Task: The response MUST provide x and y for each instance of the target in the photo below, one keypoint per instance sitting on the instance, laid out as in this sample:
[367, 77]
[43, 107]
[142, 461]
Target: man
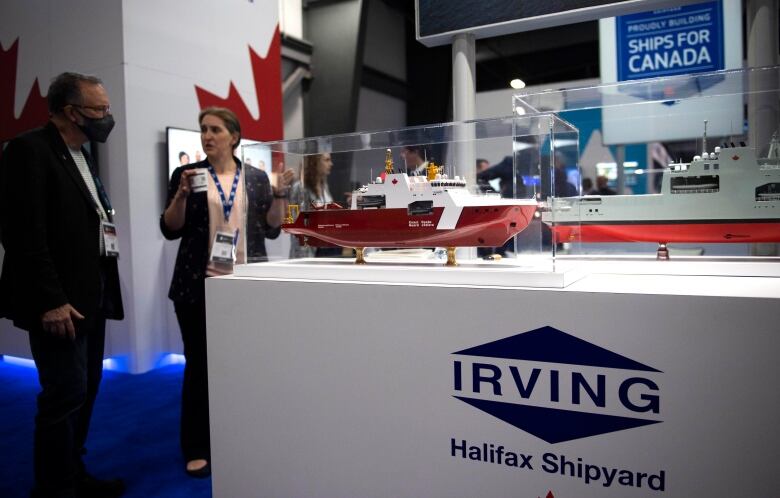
[484, 186]
[511, 183]
[602, 186]
[415, 160]
[59, 279]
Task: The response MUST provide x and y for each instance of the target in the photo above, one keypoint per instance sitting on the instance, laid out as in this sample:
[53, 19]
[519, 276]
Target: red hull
[767, 231]
[483, 226]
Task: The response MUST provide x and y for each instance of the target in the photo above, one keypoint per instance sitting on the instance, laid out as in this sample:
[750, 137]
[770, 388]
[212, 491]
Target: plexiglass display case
[674, 167]
[414, 198]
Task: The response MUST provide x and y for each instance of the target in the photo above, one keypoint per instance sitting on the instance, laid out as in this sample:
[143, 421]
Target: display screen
[438, 20]
[184, 147]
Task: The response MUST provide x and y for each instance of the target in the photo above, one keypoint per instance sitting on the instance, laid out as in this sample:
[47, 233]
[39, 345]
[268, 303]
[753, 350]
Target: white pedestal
[346, 389]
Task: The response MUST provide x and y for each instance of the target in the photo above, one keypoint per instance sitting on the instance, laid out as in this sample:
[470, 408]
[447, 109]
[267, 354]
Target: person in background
[484, 186]
[602, 186]
[414, 160]
[184, 158]
[562, 186]
[587, 186]
[60, 280]
[312, 191]
[212, 227]
[511, 183]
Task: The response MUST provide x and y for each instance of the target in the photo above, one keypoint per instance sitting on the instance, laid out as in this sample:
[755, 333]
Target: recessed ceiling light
[517, 83]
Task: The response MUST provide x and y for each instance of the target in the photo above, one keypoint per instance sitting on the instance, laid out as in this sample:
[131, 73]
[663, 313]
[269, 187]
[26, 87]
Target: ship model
[403, 211]
[727, 195]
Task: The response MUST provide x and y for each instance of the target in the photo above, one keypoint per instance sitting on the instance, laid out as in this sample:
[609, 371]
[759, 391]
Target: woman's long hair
[312, 179]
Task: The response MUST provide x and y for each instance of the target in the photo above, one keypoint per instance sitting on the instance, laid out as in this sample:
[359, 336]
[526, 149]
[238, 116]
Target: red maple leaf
[549, 495]
[35, 111]
[267, 74]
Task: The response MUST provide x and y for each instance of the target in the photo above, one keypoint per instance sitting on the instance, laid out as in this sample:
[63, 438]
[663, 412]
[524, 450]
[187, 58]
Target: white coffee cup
[199, 182]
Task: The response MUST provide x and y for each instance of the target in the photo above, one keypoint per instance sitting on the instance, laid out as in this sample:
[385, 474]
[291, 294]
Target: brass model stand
[451, 257]
[359, 260]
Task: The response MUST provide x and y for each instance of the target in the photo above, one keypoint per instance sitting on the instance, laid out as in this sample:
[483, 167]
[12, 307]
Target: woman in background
[313, 191]
[212, 225]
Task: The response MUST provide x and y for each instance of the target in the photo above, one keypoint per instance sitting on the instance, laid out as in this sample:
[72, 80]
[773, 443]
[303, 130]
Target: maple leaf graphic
[35, 111]
[267, 74]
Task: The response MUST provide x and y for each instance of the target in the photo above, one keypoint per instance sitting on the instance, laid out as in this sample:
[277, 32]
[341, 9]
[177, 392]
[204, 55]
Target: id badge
[223, 250]
[110, 241]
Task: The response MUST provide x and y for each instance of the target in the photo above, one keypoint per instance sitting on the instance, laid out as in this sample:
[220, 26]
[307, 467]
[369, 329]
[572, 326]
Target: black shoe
[200, 473]
[91, 487]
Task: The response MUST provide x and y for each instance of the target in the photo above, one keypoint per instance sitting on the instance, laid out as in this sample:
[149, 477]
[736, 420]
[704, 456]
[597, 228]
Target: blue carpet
[134, 433]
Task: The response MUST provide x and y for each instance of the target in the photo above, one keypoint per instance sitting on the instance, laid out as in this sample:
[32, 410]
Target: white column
[762, 43]
[763, 108]
[464, 96]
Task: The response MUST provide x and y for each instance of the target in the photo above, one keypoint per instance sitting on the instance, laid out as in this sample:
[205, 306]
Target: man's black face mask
[97, 129]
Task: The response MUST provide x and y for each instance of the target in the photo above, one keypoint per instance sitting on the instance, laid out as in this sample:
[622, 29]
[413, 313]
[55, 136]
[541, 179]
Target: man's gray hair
[66, 89]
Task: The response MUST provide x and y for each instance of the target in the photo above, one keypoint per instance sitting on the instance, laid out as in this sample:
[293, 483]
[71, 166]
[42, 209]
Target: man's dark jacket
[49, 228]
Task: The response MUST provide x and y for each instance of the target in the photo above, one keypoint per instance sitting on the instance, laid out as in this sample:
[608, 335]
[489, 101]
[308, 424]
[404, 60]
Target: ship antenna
[389, 162]
[704, 138]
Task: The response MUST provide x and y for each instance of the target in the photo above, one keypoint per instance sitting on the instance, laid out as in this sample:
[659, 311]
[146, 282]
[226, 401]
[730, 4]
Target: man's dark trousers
[69, 372]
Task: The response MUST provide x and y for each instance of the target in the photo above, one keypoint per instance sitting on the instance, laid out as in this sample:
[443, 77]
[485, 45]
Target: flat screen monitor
[184, 147]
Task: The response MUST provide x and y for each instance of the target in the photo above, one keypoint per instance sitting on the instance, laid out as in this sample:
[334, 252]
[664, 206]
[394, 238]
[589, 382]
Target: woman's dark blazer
[189, 273]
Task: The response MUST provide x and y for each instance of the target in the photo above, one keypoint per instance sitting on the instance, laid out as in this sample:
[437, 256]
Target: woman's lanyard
[227, 204]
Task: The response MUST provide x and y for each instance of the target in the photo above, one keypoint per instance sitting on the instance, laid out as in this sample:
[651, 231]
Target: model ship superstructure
[402, 211]
[727, 195]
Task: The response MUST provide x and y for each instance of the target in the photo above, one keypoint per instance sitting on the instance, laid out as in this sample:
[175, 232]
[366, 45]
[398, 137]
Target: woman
[313, 191]
[211, 225]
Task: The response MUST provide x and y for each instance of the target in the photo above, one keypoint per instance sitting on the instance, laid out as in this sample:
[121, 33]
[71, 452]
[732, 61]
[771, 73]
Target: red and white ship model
[402, 211]
[727, 195]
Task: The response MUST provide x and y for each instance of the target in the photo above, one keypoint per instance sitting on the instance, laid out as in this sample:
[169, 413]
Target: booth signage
[681, 40]
[558, 388]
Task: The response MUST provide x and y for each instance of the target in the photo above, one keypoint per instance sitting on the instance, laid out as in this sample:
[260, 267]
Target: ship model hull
[477, 226]
[678, 231]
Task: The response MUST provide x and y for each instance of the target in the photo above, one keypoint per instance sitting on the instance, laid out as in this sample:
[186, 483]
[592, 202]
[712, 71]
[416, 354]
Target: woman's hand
[184, 185]
[283, 182]
[174, 215]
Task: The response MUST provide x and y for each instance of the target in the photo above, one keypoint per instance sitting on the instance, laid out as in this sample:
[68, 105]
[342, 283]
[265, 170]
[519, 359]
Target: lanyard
[227, 204]
[102, 195]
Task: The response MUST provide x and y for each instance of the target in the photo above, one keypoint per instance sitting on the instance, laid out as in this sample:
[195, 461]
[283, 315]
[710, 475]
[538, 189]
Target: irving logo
[556, 386]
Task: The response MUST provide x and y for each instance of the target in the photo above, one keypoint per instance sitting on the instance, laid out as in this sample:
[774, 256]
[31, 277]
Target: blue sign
[667, 42]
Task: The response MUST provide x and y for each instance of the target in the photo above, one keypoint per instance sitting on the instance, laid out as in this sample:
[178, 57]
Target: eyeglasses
[102, 109]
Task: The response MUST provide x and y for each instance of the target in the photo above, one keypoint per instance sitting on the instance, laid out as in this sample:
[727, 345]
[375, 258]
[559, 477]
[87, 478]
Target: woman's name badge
[110, 241]
[223, 250]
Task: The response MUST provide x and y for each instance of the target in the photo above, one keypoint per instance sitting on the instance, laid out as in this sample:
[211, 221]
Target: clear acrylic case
[345, 199]
[701, 165]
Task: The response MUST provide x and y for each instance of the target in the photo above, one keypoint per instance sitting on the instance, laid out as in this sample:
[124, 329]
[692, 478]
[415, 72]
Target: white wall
[150, 55]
